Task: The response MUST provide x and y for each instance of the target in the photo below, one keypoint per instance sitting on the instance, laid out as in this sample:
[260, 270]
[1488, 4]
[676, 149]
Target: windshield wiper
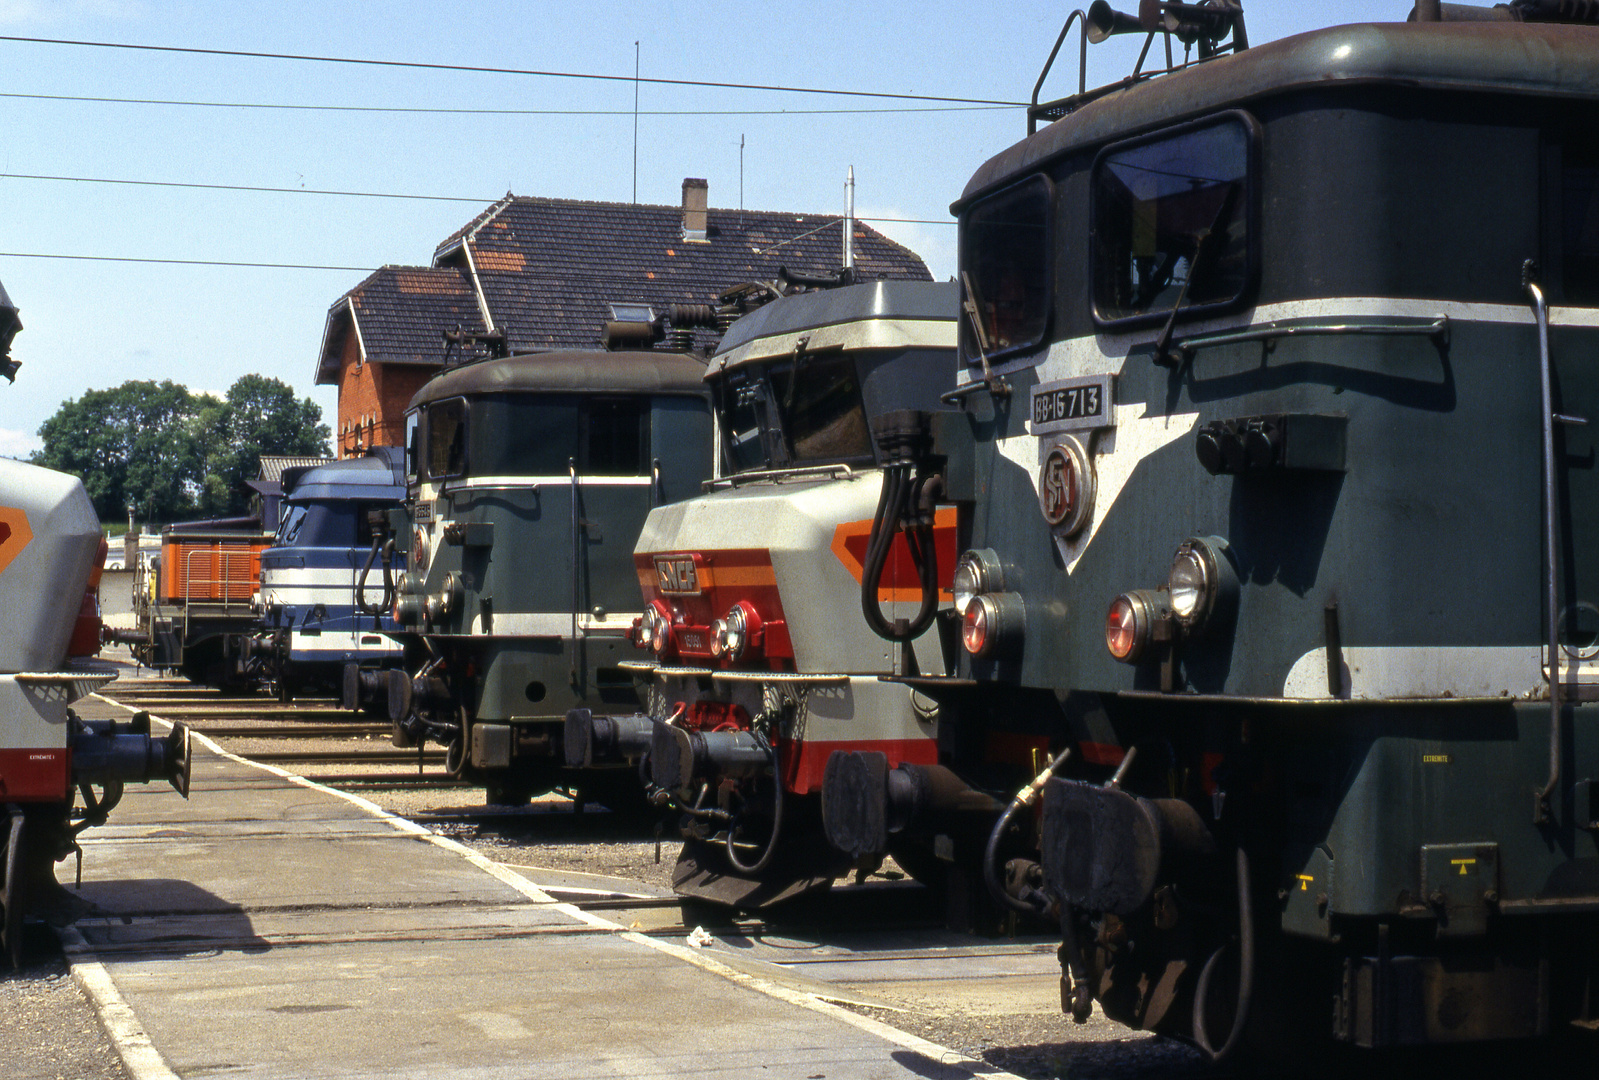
[1163, 351]
[970, 307]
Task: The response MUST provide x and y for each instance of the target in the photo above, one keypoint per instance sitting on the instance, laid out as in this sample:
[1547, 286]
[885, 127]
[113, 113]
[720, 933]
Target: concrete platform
[272, 929]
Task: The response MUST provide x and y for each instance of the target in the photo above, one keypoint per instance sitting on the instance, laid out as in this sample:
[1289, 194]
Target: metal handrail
[838, 470]
[224, 555]
[1543, 808]
[1437, 329]
[572, 675]
[1082, 65]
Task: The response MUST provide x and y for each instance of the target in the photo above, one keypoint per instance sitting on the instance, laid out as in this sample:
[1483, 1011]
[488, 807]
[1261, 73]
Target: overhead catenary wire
[179, 262]
[489, 70]
[292, 106]
[357, 194]
[945, 103]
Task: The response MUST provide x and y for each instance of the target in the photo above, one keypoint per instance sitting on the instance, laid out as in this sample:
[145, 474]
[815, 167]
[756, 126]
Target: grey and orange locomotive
[761, 668]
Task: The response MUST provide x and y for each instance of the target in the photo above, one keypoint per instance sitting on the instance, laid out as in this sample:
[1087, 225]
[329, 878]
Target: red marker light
[1123, 634]
[975, 627]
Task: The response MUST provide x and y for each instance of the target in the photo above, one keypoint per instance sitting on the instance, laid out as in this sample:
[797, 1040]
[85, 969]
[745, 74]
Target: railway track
[314, 738]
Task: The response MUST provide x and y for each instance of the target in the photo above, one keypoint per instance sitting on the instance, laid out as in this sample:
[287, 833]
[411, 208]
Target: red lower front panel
[35, 775]
[804, 763]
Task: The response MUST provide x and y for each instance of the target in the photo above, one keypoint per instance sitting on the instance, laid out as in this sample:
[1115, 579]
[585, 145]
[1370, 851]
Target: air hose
[1026, 797]
[906, 503]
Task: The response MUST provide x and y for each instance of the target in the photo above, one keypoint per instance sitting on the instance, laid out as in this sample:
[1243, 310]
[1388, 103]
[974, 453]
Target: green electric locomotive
[531, 476]
[1285, 535]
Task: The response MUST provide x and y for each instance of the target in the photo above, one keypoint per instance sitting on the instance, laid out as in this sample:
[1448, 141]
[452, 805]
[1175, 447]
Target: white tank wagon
[50, 543]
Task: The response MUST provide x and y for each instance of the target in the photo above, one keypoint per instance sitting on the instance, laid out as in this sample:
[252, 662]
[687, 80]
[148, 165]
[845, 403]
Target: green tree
[173, 454]
[130, 444]
[259, 417]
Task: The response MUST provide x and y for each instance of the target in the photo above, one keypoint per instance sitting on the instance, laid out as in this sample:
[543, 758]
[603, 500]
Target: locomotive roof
[875, 315]
[351, 478]
[1494, 57]
[589, 371]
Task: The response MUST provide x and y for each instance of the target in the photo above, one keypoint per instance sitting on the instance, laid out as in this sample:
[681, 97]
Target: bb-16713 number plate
[1080, 404]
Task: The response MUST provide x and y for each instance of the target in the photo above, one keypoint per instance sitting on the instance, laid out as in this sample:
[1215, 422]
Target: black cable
[885, 524]
[420, 65]
[899, 494]
[390, 591]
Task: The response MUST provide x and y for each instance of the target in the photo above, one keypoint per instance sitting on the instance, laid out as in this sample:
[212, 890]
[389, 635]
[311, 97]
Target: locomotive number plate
[1080, 404]
[677, 575]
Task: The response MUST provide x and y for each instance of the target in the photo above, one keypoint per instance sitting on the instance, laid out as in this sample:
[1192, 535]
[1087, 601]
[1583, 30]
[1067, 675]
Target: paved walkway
[271, 928]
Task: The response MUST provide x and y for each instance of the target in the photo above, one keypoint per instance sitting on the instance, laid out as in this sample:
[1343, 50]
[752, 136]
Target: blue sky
[92, 325]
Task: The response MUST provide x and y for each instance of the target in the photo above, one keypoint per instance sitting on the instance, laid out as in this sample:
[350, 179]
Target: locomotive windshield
[824, 418]
[1171, 227]
[1005, 268]
[538, 435]
[340, 524]
[771, 419]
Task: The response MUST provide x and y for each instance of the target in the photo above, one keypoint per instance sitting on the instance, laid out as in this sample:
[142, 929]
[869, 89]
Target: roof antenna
[635, 123]
[741, 181]
[849, 221]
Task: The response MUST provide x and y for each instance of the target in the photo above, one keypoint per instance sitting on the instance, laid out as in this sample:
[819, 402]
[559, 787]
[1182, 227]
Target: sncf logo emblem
[677, 575]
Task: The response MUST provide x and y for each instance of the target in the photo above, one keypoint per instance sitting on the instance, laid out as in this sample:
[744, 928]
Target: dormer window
[639, 313]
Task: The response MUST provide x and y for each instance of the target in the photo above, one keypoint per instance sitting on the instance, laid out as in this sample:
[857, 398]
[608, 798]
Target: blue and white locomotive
[328, 581]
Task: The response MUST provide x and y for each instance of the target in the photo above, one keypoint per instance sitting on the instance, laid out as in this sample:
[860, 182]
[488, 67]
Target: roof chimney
[695, 195]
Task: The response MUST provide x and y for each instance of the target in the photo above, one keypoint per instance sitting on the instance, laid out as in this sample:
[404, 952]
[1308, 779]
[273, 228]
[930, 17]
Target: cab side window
[446, 439]
[1004, 262]
[1579, 221]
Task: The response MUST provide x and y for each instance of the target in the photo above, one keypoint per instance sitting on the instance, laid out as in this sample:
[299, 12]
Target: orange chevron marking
[14, 534]
[849, 547]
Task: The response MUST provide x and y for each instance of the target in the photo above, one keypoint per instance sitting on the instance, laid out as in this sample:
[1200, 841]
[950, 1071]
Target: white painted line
[139, 1055]
[941, 1054]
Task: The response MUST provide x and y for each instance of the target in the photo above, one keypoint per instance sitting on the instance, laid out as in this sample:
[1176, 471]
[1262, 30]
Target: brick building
[548, 274]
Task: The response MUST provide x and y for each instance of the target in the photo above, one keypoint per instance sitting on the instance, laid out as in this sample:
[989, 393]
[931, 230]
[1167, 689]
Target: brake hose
[1246, 974]
[1025, 797]
[777, 822]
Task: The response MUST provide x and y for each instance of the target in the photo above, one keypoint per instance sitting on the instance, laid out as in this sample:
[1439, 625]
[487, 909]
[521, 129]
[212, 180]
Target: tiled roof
[550, 269]
[401, 312]
[272, 466]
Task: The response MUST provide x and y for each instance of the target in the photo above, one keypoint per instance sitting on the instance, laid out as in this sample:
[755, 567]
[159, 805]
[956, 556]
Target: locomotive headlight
[992, 624]
[1128, 624]
[1190, 585]
[737, 632]
[1201, 581]
[979, 571]
[655, 630]
[974, 626]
